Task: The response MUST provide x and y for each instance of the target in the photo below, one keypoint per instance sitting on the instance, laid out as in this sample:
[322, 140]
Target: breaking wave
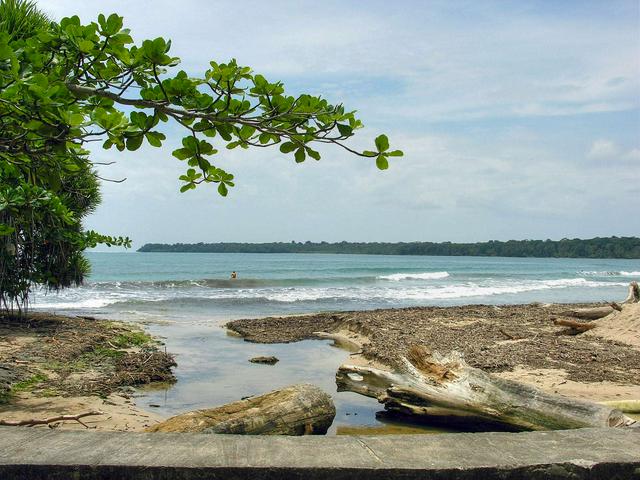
[414, 276]
[330, 296]
[610, 274]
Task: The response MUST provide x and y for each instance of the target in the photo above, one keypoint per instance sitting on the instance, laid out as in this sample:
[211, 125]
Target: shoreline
[517, 342]
[54, 365]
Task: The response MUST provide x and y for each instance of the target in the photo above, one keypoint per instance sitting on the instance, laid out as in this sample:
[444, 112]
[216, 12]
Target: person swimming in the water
[234, 275]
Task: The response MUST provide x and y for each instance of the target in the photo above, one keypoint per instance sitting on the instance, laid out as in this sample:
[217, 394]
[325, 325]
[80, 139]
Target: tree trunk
[295, 410]
[433, 386]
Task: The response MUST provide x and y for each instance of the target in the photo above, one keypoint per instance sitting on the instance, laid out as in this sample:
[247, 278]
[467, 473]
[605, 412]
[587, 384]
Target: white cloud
[603, 149]
[633, 155]
[493, 104]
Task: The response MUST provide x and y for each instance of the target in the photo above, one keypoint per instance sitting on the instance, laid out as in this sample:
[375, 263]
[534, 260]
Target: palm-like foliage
[22, 19]
[41, 208]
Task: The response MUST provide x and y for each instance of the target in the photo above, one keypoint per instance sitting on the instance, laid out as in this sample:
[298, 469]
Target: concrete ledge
[38, 453]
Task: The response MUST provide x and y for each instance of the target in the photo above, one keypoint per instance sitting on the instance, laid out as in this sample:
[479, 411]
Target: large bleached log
[432, 386]
[295, 410]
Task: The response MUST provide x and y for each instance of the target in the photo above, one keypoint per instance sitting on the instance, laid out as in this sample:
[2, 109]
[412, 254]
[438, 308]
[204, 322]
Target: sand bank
[54, 365]
[518, 342]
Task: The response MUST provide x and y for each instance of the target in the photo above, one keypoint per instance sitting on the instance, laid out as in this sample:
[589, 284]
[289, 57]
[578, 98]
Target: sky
[518, 120]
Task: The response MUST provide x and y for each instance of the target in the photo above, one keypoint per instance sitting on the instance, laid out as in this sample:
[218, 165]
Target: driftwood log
[48, 421]
[432, 386]
[295, 410]
[575, 325]
[596, 313]
[592, 313]
[634, 293]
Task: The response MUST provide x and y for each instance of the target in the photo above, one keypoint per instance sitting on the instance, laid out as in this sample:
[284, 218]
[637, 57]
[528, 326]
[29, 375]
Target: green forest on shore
[600, 247]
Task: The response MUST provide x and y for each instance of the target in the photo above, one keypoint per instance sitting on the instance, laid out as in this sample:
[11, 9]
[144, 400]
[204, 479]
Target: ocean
[186, 297]
[142, 284]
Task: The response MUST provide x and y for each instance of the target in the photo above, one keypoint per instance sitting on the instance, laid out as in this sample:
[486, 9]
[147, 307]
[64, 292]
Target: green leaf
[313, 154]
[134, 142]
[85, 46]
[182, 153]
[155, 138]
[382, 163]
[6, 229]
[114, 24]
[345, 130]
[300, 155]
[222, 189]
[288, 147]
[246, 131]
[76, 119]
[382, 143]
[264, 138]
[396, 153]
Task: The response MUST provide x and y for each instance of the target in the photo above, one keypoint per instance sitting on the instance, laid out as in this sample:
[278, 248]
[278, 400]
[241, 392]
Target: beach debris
[47, 421]
[634, 293]
[508, 335]
[301, 409]
[431, 386]
[598, 316]
[270, 360]
[592, 313]
[575, 326]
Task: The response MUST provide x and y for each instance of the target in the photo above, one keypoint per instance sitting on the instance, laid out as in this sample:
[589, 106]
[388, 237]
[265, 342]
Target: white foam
[610, 274]
[388, 292]
[80, 304]
[414, 276]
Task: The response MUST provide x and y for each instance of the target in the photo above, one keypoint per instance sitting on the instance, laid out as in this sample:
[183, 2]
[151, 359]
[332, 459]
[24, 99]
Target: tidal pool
[213, 369]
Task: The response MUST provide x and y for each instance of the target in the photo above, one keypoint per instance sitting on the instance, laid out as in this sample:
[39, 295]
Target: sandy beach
[57, 365]
[54, 365]
[519, 342]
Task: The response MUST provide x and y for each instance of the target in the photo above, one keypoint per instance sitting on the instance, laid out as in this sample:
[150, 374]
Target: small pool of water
[213, 369]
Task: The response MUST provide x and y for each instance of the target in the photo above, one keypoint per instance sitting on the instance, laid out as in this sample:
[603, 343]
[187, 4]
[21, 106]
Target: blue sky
[518, 120]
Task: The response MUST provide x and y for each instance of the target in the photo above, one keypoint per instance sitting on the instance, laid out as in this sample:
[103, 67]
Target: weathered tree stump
[634, 293]
[430, 385]
[295, 410]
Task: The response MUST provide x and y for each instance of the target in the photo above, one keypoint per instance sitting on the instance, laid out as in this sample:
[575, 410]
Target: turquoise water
[185, 298]
[154, 283]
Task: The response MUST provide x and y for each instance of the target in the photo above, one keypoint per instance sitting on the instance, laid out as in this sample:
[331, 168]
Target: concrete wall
[39, 453]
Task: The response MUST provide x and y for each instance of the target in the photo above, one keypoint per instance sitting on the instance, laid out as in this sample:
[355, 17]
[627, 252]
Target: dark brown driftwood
[295, 410]
[578, 326]
[430, 385]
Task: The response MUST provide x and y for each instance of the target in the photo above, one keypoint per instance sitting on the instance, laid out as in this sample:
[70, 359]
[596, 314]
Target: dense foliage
[64, 85]
[610, 247]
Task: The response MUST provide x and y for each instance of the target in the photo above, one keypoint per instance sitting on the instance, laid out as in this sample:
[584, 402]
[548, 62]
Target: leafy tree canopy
[65, 85]
[68, 82]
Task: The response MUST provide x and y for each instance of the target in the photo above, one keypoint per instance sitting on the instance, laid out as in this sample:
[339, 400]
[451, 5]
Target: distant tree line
[609, 247]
